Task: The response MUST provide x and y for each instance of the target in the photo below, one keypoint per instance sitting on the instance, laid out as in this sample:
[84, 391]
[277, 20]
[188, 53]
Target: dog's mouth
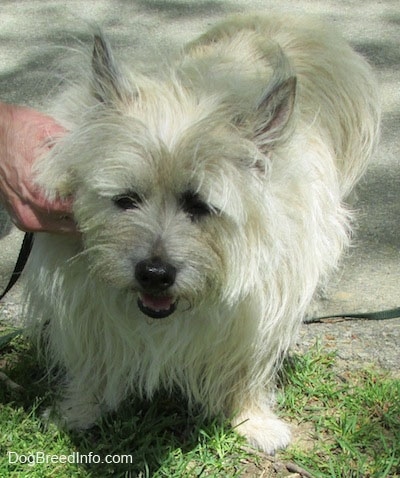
[156, 307]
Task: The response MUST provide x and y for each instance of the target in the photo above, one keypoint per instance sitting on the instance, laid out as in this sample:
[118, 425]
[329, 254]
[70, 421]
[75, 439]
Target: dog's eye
[129, 200]
[194, 207]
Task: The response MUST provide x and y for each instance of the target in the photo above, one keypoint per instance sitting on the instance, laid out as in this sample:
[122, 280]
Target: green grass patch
[353, 421]
[355, 418]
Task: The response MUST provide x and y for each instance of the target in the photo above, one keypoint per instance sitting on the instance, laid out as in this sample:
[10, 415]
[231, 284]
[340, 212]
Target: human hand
[25, 135]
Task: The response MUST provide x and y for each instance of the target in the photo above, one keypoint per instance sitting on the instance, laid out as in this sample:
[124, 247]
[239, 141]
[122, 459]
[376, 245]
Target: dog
[210, 200]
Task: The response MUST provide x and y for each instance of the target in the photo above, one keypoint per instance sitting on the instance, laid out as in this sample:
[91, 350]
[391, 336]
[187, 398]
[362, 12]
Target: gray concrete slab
[31, 32]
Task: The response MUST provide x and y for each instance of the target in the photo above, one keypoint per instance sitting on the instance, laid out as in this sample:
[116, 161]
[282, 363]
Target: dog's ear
[109, 84]
[274, 114]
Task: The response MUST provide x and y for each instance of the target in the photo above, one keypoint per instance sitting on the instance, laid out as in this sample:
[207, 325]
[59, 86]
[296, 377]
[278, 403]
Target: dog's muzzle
[155, 277]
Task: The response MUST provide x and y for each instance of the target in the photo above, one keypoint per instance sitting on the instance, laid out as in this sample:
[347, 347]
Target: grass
[355, 418]
[354, 422]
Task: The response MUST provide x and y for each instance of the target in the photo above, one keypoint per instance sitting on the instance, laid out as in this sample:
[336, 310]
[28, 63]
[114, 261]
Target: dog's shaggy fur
[210, 201]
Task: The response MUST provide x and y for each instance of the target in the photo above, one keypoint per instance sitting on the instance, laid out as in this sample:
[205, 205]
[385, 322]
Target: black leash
[21, 261]
[378, 315]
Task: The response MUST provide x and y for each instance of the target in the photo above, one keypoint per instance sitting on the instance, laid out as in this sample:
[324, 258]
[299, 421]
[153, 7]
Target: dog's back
[336, 90]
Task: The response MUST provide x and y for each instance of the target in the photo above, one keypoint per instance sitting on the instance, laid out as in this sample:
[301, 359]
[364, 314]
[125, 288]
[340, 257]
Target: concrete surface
[31, 32]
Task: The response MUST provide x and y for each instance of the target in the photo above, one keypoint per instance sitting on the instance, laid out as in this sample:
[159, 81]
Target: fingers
[30, 220]
[49, 134]
[56, 207]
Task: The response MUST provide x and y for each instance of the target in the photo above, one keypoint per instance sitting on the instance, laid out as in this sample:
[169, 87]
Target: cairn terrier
[209, 197]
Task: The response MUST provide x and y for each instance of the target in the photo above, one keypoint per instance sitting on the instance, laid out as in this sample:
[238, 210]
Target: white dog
[209, 198]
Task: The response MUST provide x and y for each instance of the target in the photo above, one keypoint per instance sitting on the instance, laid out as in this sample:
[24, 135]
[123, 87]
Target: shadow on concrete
[173, 9]
[382, 55]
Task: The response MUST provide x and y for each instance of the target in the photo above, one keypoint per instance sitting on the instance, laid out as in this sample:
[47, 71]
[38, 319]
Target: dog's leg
[78, 410]
[262, 428]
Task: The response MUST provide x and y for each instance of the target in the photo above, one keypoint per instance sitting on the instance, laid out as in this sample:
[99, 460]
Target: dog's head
[169, 184]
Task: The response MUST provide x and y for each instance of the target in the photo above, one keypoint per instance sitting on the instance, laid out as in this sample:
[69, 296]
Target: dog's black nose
[155, 275]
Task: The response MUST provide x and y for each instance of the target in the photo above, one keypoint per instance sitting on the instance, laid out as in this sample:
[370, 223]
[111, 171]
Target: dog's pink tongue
[156, 303]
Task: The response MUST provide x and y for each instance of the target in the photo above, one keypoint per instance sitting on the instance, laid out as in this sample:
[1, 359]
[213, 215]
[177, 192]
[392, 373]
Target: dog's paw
[263, 429]
[71, 415]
